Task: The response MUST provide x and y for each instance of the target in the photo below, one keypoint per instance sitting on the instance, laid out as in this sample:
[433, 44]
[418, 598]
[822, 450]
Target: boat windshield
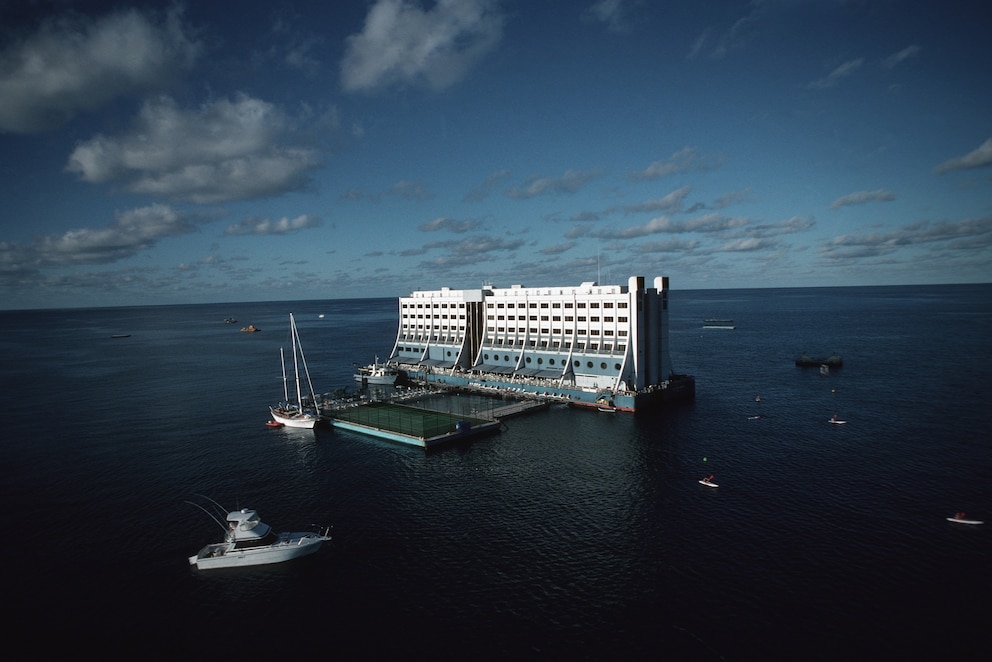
[244, 520]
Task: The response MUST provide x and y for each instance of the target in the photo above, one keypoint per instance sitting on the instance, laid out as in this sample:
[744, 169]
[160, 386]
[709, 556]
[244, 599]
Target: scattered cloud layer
[131, 232]
[389, 119]
[969, 234]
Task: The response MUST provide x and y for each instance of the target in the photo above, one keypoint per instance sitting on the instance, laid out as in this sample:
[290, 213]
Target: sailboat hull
[294, 419]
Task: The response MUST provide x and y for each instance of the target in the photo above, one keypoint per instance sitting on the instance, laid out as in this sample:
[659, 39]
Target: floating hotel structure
[601, 346]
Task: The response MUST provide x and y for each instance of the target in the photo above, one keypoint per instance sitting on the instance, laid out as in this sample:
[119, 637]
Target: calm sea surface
[572, 534]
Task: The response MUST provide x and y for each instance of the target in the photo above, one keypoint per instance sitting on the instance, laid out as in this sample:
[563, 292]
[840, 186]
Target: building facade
[588, 337]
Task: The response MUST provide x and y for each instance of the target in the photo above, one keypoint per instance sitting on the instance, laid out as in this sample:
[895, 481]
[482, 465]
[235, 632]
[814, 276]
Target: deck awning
[436, 363]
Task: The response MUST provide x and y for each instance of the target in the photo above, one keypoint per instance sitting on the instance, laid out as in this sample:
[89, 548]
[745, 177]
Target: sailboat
[293, 413]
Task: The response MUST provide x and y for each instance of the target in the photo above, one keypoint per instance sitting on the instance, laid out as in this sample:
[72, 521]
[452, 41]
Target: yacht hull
[290, 546]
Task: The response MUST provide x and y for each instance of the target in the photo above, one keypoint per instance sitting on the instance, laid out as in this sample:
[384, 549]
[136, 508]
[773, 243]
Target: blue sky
[170, 152]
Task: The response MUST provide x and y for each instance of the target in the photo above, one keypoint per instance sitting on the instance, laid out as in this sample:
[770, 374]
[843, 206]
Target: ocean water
[570, 535]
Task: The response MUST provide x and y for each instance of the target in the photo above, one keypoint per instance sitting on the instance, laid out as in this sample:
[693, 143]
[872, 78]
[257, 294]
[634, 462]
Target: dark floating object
[832, 361]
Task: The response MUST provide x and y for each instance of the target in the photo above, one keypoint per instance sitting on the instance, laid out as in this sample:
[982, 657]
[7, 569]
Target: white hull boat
[376, 374]
[249, 541]
[296, 414]
[958, 520]
[293, 418]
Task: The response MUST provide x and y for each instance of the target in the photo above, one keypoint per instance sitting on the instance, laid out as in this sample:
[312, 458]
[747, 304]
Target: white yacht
[250, 541]
[377, 373]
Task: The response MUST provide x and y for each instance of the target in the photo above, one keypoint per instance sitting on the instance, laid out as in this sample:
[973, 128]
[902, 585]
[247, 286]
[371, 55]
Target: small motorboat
[273, 424]
[960, 518]
[836, 421]
[708, 482]
[250, 541]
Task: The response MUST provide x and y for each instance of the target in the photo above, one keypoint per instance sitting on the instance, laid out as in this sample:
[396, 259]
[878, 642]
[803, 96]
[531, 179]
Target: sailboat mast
[296, 367]
[306, 370]
[285, 387]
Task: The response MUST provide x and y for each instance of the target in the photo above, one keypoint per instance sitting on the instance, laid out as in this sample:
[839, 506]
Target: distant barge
[832, 361]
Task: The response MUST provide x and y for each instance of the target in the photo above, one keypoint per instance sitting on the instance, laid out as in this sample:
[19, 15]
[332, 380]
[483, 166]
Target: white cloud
[716, 43]
[670, 203]
[685, 160]
[284, 225]
[612, 13]
[838, 74]
[663, 224]
[450, 224]
[226, 150]
[403, 44]
[746, 245]
[482, 191]
[978, 158]
[78, 64]
[861, 197]
[901, 56]
[570, 182]
[666, 246]
[557, 249]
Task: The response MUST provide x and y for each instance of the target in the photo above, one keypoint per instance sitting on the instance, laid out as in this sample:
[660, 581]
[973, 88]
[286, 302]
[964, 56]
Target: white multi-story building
[586, 337]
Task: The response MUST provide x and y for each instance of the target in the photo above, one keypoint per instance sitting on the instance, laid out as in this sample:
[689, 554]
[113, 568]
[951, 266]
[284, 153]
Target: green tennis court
[423, 423]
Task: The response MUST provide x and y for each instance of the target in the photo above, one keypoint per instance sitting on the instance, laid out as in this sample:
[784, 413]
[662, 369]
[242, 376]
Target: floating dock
[422, 426]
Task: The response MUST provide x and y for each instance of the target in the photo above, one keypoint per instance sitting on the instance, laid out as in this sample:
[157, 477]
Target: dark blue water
[572, 534]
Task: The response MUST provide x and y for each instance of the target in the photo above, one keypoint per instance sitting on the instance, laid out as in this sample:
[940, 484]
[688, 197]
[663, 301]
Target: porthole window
[528, 359]
[588, 364]
[506, 358]
[540, 361]
[576, 364]
[616, 366]
[485, 356]
[551, 361]
[602, 365]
